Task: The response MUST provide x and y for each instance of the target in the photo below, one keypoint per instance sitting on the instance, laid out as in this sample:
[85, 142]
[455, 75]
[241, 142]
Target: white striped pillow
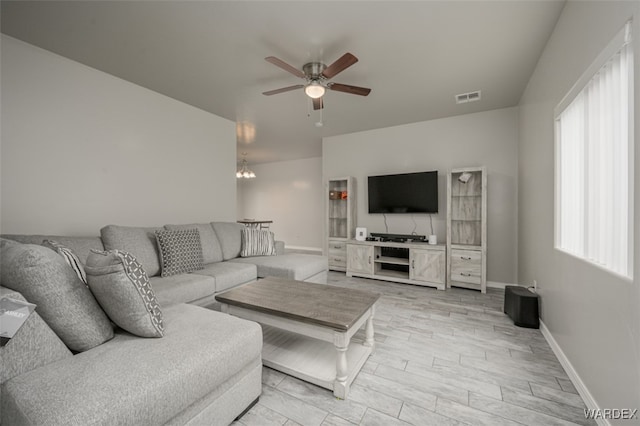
[69, 256]
[257, 242]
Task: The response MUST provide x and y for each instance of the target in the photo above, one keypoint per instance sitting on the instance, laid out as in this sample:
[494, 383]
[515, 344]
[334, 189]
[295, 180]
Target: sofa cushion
[211, 250]
[122, 288]
[293, 266]
[69, 256]
[228, 274]
[62, 300]
[81, 246]
[33, 346]
[180, 251]
[140, 242]
[230, 237]
[129, 380]
[257, 242]
[183, 288]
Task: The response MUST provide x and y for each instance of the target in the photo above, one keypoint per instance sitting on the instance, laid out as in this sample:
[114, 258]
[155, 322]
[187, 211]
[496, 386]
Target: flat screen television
[404, 193]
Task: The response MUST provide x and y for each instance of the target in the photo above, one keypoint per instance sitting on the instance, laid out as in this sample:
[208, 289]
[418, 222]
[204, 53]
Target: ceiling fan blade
[318, 103]
[354, 90]
[282, 90]
[285, 66]
[344, 62]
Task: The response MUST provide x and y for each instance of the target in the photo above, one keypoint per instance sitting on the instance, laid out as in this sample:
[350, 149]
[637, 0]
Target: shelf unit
[467, 228]
[340, 198]
[409, 263]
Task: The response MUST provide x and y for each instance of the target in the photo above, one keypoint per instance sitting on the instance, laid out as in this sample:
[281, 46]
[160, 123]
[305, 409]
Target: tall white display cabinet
[467, 228]
[340, 196]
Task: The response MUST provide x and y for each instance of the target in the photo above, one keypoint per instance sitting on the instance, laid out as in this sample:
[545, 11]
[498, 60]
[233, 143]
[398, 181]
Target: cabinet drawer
[337, 249]
[466, 266]
[466, 257]
[465, 277]
[338, 261]
[337, 245]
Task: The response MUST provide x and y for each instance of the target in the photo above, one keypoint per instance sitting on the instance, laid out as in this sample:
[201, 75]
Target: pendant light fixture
[244, 172]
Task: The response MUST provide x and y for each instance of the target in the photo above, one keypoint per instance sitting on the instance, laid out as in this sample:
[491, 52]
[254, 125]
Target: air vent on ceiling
[468, 97]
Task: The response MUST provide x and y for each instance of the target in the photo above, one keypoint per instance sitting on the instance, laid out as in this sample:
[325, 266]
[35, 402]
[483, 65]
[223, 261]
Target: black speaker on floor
[522, 306]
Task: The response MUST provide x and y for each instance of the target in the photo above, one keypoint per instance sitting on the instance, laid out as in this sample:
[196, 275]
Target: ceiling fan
[317, 76]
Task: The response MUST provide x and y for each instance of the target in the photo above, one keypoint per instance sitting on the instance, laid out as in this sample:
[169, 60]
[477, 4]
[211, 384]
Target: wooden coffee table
[307, 328]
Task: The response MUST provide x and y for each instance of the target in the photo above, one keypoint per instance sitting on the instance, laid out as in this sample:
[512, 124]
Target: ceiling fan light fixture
[314, 90]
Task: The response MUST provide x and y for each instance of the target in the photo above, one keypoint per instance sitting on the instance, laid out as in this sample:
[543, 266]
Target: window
[594, 161]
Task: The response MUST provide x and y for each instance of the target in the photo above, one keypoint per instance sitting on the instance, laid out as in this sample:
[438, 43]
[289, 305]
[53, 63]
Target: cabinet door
[338, 208]
[359, 259]
[428, 265]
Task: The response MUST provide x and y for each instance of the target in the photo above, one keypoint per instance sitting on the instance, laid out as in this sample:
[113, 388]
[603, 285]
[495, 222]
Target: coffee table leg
[340, 386]
[369, 339]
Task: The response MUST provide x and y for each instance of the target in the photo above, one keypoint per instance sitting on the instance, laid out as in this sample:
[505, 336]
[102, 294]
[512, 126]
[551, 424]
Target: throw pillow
[63, 301]
[69, 256]
[122, 288]
[6, 243]
[180, 251]
[257, 242]
[211, 250]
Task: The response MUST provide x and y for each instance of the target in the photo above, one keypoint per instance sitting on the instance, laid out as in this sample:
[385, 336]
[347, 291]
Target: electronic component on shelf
[398, 238]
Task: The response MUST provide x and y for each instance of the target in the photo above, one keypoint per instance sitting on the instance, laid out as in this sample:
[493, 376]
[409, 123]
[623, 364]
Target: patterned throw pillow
[257, 242]
[122, 288]
[180, 251]
[69, 256]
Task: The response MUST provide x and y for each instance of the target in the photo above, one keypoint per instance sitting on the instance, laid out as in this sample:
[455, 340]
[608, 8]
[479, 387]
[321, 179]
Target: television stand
[408, 263]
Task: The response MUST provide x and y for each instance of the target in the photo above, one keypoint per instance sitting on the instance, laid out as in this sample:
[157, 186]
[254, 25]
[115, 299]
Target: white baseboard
[496, 284]
[304, 248]
[589, 400]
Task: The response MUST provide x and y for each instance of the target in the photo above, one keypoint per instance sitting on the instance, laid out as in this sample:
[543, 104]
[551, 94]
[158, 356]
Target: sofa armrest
[279, 247]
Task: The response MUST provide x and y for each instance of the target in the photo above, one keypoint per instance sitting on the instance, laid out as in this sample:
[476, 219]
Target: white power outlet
[535, 286]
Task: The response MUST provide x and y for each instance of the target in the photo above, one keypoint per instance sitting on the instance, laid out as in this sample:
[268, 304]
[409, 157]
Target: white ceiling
[416, 56]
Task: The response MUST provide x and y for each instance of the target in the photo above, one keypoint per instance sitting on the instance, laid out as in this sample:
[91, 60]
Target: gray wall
[591, 314]
[290, 194]
[82, 149]
[483, 139]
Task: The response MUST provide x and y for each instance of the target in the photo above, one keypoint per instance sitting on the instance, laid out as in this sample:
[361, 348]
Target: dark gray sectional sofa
[206, 369]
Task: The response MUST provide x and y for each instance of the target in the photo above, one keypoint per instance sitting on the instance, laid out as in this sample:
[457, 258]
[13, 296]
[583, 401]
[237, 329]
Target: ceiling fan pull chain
[321, 122]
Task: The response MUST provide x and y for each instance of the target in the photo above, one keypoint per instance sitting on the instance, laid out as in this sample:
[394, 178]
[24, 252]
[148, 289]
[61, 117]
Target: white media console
[410, 263]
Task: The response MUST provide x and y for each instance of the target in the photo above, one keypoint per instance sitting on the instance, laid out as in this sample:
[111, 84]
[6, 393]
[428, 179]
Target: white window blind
[594, 168]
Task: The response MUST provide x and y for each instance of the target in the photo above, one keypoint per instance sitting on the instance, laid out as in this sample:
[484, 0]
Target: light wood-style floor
[442, 358]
